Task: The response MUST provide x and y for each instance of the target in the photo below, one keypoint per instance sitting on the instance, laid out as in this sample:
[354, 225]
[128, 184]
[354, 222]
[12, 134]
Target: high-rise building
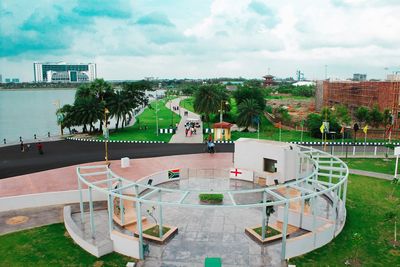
[12, 80]
[358, 77]
[64, 72]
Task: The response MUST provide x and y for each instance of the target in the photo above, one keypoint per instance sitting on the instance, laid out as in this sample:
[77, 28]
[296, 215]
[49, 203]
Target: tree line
[211, 98]
[339, 116]
[93, 99]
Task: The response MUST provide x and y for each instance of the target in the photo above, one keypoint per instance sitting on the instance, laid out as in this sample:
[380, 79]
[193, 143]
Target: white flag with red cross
[235, 173]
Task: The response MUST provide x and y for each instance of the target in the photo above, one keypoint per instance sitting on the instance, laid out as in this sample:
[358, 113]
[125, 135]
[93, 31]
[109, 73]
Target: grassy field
[368, 202]
[50, 246]
[148, 119]
[187, 104]
[373, 165]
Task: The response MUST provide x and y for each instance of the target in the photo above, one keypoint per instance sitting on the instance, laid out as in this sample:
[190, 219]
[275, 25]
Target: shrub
[211, 198]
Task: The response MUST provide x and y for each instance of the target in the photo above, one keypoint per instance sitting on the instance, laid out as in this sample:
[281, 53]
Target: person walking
[22, 146]
[40, 148]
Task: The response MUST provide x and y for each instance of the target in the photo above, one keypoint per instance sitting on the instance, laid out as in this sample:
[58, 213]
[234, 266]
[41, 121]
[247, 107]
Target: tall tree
[387, 117]
[341, 112]
[90, 111]
[244, 92]
[208, 98]
[69, 116]
[362, 114]
[248, 111]
[119, 106]
[375, 117]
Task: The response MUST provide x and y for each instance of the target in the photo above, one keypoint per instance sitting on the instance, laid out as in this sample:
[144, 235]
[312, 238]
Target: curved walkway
[180, 136]
[65, 153]
[372, 174]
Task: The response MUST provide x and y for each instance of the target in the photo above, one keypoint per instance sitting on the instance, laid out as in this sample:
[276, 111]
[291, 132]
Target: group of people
[175, 108]
[190, 128]
[26, 148]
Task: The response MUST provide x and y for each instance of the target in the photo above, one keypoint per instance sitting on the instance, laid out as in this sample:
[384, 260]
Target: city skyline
[203, 39]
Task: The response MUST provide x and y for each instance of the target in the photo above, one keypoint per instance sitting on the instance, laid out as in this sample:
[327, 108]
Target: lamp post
[60, 117]
[156, 113]
[220, 115]
[106, 134]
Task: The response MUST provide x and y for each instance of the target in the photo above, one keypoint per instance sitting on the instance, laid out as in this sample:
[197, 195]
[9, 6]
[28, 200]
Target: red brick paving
[63, 179]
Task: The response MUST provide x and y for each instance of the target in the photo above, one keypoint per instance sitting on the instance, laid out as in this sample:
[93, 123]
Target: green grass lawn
[154, 231]
[270, 231]
[148, 118]
[368, 202]
[50, 246]
[373, 165]
[187, 104]
[270, 132]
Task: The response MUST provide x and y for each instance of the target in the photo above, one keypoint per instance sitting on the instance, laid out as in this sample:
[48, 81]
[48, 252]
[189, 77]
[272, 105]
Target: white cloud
[224, 38]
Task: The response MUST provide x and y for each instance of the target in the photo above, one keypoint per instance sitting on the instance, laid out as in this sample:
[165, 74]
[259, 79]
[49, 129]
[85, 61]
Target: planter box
[165, 238]
[256, 237]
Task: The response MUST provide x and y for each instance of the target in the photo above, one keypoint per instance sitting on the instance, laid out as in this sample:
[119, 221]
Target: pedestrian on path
[40, 148]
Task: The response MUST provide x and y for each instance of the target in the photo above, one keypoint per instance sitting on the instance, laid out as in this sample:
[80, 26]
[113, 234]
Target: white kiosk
[270, 160]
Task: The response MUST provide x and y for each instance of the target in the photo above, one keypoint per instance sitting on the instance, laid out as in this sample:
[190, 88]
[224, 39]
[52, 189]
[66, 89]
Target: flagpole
[343, 141]
[301, 136]
[365, 142]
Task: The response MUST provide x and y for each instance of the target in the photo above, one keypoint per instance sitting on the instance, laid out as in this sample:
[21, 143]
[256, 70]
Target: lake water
[27, 112]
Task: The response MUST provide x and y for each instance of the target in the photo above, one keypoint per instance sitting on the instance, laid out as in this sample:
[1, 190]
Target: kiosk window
[269, 165]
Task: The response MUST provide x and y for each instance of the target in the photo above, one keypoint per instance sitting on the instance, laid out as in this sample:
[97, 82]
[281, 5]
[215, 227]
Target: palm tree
[248, 110]
[207, 99]
[69, 116]
[90, 111]
[135, 93]
[119, 107]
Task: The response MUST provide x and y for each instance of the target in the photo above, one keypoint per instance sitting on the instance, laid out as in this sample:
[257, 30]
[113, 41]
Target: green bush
[211, 198]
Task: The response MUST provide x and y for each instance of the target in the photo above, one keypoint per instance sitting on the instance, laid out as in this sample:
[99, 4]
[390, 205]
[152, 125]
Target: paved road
[180, 136]
[65, 153]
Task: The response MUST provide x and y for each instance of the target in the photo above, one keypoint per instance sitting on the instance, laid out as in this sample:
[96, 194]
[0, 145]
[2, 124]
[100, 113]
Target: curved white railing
[326, 177]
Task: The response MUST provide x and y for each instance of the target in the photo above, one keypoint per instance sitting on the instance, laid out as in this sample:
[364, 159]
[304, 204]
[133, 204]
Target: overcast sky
[203, 38]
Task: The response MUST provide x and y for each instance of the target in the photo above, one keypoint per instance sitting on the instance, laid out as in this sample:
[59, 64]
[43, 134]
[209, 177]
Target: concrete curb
[115, 141]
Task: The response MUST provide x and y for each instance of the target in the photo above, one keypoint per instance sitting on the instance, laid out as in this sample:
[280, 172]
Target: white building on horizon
[64, 72]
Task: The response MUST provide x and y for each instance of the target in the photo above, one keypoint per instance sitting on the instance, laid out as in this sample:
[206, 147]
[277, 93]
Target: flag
[342, 130]
[172, 174]
[365, 129]
[278, 125]
[322, 128]
[388, 130]
[235, 173]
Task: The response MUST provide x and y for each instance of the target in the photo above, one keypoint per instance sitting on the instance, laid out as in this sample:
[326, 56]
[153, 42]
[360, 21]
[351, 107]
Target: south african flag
[172, 174]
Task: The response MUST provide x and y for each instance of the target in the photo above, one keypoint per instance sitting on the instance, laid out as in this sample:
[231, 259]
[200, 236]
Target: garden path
[180, 136]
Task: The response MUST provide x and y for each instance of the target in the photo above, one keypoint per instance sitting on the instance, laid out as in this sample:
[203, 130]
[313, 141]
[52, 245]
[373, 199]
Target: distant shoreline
[36, 89]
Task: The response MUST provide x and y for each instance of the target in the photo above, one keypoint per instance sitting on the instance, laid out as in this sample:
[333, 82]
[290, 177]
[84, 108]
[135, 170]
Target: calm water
[28, 112]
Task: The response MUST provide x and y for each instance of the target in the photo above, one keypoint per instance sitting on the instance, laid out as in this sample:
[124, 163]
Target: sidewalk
[372, 174]
[179, 136]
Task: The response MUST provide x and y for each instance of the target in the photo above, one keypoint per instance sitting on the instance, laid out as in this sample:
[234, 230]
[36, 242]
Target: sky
[203, 38]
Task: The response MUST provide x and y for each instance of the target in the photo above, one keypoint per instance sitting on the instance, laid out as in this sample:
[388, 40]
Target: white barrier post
[354, 150]
[375, 149]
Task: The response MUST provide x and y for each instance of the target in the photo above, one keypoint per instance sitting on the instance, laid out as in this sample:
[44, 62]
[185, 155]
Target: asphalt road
[66, 153]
